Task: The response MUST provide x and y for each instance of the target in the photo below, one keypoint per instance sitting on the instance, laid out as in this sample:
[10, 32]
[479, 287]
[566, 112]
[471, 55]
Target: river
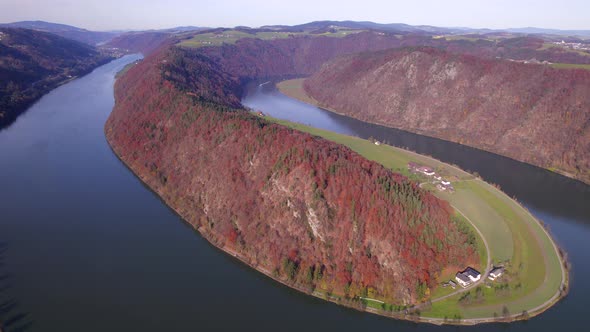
[84, 246]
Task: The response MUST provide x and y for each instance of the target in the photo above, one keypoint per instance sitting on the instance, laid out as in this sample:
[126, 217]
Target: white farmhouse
[468, 276]
[462, 279]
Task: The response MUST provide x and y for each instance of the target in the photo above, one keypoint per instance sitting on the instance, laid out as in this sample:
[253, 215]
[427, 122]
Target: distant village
[573, 46]
[441, 183]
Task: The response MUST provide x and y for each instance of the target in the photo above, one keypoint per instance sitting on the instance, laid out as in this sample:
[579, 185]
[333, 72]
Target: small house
[426, 170]
[472, 273]
[496, 273]
[462, 279]
[445, 182]
[468, 276]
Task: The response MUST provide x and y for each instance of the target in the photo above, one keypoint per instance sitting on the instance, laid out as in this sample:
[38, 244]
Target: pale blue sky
[155, 14]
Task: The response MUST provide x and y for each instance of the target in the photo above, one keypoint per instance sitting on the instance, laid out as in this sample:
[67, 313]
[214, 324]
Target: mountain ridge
[64, 30]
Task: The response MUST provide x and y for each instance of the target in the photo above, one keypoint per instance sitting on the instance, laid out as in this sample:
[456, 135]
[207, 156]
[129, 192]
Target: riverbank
[294, 89]
[518, 240]
[38, 89]
[337, 299]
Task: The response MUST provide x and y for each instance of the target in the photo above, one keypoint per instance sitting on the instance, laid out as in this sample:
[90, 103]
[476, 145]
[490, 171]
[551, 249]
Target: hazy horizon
[149, 14]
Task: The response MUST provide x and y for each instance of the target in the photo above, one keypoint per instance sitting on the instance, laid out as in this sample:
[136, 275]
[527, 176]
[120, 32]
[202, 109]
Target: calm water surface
[84, 246]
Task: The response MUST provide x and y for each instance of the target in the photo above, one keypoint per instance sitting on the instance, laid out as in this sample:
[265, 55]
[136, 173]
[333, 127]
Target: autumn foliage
[307, 211]
[529, 112]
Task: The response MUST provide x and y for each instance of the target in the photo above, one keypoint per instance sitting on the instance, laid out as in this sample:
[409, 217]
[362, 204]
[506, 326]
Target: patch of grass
[570, 66]
[294, 89]
[126, 68]
[485, 217]
[215, 38]
[372, 303]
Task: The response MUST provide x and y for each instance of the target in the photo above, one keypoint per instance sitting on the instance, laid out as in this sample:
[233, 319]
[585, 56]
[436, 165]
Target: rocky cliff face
[531, 113]
[301, 209]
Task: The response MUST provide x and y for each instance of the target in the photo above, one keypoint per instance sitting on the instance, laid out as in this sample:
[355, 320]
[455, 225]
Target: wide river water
[84, 246]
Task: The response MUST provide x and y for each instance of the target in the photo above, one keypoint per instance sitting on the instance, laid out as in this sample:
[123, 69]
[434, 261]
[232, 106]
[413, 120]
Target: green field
[534, 270]
[570, 66]
[231, 36]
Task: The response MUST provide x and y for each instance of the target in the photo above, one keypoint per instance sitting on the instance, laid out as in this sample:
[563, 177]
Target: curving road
[488, 263]
[484, 275]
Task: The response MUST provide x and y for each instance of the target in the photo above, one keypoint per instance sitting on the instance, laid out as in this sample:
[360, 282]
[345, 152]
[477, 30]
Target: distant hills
[100, 37]
[584, 33]
[66, 31]
[406, 28]
[390, 27]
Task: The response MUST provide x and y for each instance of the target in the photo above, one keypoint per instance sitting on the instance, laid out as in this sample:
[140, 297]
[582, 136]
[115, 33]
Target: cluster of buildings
[471, 275]
[441, 183]
[573, 46]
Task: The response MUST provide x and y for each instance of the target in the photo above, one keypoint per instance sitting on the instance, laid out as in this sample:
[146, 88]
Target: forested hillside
[305, 211]
[531, 113]
[139, 42]
[301, 209]
[33, 62]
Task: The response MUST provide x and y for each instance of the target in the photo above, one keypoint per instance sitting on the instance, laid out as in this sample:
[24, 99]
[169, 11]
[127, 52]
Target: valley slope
[531, 113]
[33, 62]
